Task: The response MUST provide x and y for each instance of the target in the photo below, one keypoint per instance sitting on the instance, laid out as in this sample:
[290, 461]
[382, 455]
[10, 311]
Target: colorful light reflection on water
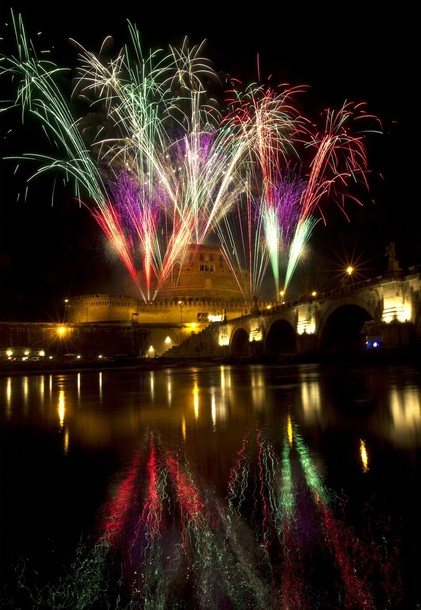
[279, 538]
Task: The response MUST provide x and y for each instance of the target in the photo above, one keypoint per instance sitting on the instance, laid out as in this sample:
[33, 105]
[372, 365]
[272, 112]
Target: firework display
[165, 154]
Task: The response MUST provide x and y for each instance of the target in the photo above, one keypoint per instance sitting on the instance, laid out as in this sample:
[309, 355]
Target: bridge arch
[239, 343]
[341, 328]
[281, 338]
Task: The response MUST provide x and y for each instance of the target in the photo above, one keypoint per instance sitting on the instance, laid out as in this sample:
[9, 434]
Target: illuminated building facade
[202, 289]
[204, 273]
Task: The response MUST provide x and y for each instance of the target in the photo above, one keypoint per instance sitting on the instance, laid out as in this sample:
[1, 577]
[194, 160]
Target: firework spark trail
[110, 222]
[134, 99]
[192, 160]
[135, 220]
[340, 158]
[269, 123]
[242, 239]
[303, 232]
[173, 147]
[281, 221]
[153, 119]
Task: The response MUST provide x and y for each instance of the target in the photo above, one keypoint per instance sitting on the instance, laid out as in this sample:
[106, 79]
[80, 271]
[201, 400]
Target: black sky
[345, 53]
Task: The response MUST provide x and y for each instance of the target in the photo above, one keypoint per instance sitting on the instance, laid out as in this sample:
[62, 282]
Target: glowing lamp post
[181, 304]
[347, 274]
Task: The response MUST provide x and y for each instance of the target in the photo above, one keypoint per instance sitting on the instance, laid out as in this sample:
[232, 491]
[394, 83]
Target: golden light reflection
[152, 383]
[405, 411]
[25, 392]
[364, 456]
[42, 390]
[66, 441]
[196, 400]
[289, 430]
[183, 428]
[169, 390]
[79, 386]
[100, 385]
[213, 409]
[219, 409]
[225, 379]
[310, 400]
[61, 407]
[9, 397]
[258, 389]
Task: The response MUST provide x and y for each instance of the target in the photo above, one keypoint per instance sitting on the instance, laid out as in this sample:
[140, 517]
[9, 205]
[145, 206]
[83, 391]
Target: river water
[212, 487]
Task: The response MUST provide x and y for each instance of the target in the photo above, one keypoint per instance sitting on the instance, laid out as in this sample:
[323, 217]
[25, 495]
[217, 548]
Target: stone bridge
[380, 313]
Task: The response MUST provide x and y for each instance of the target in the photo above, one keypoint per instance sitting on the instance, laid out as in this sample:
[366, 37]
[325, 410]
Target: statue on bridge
[393, 263]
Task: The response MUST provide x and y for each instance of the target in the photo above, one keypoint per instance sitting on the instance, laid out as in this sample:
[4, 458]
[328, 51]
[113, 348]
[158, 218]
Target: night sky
[52, 248]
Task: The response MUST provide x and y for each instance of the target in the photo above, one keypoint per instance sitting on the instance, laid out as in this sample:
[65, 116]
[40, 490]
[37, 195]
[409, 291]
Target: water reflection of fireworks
[279, 539]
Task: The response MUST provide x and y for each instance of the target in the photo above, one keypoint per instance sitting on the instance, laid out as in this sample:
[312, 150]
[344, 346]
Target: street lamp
[181, 304]
[346, 280]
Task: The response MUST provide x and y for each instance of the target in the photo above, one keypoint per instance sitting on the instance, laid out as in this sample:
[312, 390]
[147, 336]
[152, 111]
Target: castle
[202, 289]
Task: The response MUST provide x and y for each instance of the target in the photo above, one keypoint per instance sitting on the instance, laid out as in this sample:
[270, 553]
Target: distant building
[101, 308]
[204, 273]
[201, 289]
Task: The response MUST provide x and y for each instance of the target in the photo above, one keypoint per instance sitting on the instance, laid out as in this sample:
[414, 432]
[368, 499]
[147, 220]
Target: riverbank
[378, 357]
[144, 364]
